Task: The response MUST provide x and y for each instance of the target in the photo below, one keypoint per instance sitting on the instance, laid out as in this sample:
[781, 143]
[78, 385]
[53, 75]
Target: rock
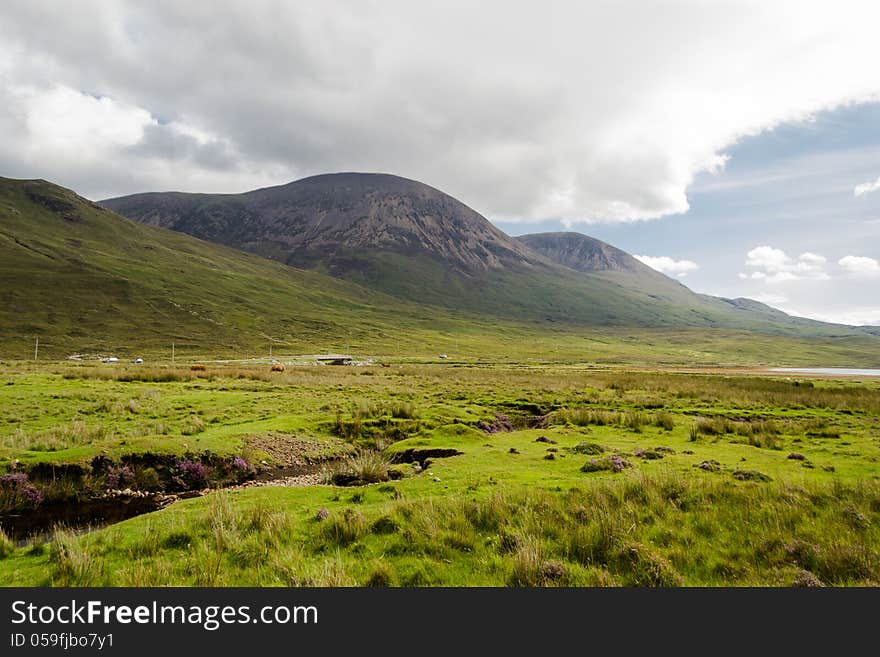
[545, 439]
[750, 475]
[513, 450]
[807, 579]
[797, 456]
[553, 570]
[322, 514]
[550, 457]
[437, 479]
[828, 468]
[710, 466]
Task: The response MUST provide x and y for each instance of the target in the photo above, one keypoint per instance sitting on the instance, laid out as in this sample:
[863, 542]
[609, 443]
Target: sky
[731, 144]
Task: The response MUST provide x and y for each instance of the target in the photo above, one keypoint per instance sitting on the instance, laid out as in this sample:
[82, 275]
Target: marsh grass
[7, 545]
[72, 562]
[365, 467]
[640, 530]
[62, 436]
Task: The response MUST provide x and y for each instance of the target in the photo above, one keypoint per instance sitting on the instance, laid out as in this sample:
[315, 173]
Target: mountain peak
[584, 253]
[334, 218]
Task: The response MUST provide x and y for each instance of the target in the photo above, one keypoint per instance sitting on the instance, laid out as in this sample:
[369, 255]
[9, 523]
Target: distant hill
[418, 244]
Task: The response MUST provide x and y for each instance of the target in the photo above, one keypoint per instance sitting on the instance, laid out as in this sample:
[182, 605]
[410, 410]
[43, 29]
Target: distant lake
[826, 370]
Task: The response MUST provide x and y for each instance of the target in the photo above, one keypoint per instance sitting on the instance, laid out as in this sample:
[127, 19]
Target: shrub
[119, 477]
[18, 493]
[588, 448]
[190, 474]
[613, 463]
[147, 479]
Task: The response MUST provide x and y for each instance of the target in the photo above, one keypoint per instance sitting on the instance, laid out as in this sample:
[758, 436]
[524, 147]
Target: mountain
[418, 244]
[586, 254]
[83, 278]
[332, 218]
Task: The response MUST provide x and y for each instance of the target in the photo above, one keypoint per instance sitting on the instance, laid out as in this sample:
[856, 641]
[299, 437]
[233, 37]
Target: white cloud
[567, 110]
[860, 266]
[769, 298]
[776, 266]
[667, 265]
[866, 188]
[852, 316]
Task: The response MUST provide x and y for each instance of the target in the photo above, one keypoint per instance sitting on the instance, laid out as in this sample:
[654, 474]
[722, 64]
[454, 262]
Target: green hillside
[414, 242]
[85, 280]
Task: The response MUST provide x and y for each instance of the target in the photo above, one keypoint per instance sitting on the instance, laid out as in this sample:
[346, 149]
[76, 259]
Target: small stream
[831, 371]
[83, 516]
[79, 516]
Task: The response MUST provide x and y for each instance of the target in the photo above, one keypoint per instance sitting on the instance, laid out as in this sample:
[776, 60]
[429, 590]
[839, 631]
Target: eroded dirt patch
[288, 450]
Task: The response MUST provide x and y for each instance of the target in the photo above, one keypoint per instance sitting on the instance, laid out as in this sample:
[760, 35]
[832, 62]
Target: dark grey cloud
[578, 111]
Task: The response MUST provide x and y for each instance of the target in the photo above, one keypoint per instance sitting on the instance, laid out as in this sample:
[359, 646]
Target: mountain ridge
[417, 243]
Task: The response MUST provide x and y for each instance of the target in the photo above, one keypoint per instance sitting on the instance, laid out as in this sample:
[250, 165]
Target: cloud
[776, 266]
[769, 298]
[572, 111]
[866, 188]
[852, 316]
[667, 265]
[860, 266]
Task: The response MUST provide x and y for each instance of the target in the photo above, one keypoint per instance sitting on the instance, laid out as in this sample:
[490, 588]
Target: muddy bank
[42, 520]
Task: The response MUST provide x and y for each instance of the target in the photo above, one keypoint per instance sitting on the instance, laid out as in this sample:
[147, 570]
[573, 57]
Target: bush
[190, 474]
[613, 463]
[119, 477]
[18, 493]
[588, 448]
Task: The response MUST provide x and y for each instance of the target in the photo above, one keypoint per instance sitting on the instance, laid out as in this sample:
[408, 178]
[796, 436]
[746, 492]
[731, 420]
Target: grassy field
[457, 475]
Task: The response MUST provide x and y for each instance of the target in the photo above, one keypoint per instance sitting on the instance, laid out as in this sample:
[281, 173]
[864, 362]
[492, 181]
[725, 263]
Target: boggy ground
[563, 476]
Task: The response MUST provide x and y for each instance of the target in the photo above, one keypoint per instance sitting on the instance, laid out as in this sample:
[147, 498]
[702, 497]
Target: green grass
[500, 512]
